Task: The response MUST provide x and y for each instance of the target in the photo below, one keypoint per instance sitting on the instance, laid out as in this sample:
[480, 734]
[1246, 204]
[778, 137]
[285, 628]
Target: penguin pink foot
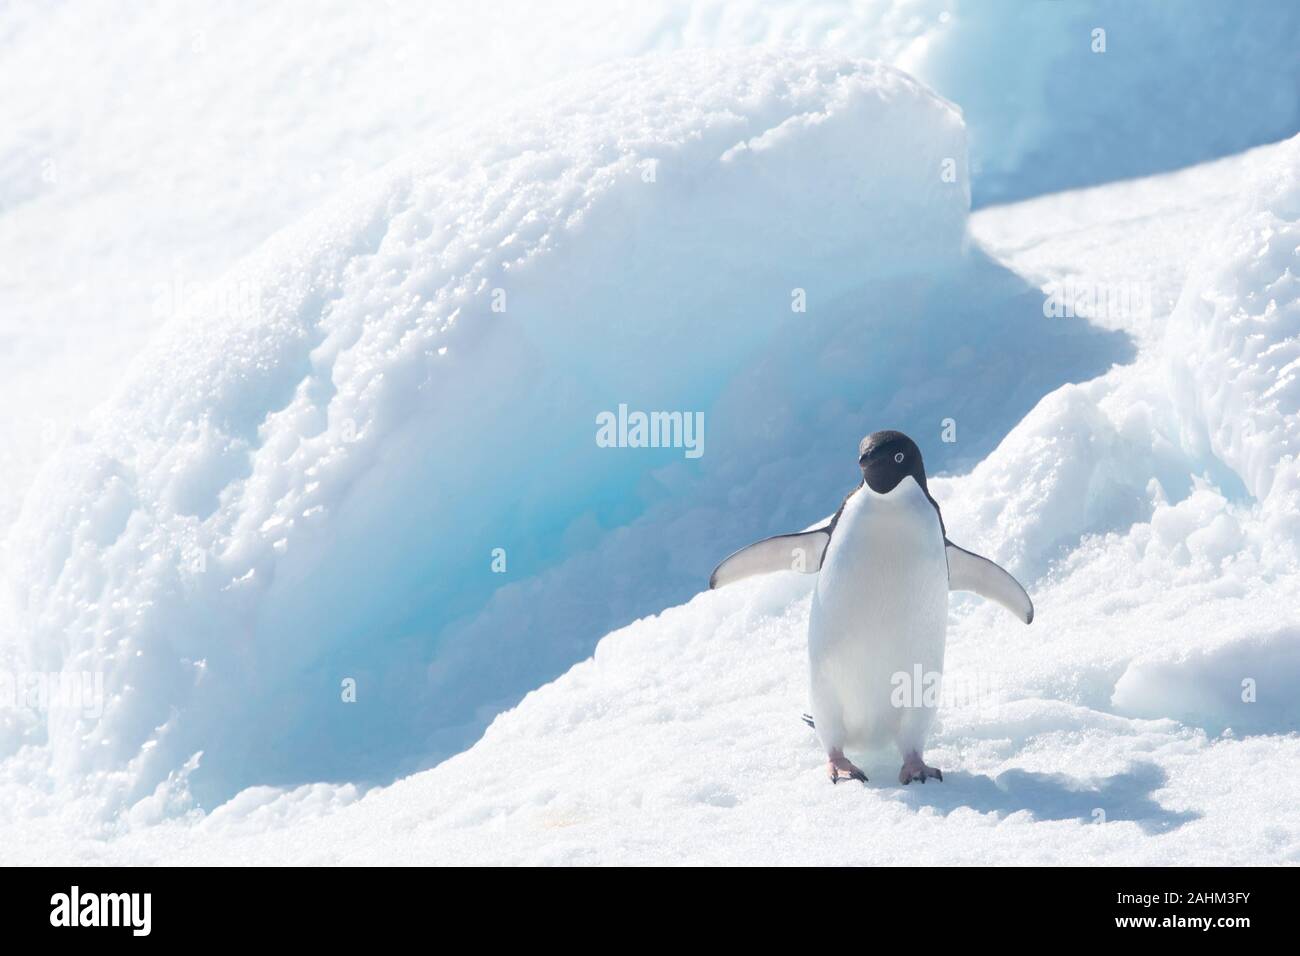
[841, 769]
[915, 769]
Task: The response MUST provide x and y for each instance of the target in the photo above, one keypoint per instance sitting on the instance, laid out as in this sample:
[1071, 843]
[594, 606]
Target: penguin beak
[881, 478]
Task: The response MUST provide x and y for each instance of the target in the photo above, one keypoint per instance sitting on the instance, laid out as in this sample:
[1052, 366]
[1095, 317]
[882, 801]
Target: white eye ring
[899, 458]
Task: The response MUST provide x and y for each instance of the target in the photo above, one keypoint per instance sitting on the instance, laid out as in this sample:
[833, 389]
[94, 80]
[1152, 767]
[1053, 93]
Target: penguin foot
[841, 769]
[915, 769]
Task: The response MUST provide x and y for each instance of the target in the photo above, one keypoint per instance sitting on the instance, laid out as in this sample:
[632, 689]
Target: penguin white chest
[879, 616]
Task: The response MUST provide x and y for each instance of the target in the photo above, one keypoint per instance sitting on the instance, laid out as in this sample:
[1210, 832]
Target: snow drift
[1234, 341]
[307, 478]
[252, 118]
[1049, 88]
[287, 496]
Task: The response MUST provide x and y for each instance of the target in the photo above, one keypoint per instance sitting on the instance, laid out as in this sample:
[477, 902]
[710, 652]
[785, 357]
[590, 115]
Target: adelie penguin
[880, 608]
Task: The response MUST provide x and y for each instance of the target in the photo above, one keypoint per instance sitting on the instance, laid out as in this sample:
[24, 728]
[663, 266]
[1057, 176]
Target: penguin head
[886, 458]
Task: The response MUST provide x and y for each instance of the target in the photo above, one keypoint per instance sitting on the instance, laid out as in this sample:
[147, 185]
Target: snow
[1052, 103]
[285, 468]
[135, 173]
[1234, 339]
[303, 477]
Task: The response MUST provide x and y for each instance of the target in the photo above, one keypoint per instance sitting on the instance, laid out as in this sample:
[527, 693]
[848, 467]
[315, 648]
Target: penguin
[879, 615]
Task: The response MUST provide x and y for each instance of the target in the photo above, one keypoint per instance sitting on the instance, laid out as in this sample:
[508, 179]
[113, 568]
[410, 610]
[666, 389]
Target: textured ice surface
[1234, 340]
[144, 151]
[1113, 730]
[286, 496]
[175, 542]
[1061, 95]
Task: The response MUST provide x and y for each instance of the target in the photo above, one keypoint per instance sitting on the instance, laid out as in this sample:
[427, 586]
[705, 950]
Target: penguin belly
[880, 610]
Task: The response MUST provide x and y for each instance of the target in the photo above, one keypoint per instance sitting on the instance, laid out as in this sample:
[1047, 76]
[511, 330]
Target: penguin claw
[841, 769]
[858, 775]
[918, 771]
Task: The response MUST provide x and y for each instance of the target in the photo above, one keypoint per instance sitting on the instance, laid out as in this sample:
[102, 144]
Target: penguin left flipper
[802, 551]
[972, 572]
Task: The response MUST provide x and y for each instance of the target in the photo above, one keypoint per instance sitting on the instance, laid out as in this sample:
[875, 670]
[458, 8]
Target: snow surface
[253, 516]
[1111, 731]
[145, 150]
[249, 520]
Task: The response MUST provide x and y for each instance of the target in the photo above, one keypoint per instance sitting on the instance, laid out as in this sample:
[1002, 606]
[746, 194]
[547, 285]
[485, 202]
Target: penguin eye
[899, 458]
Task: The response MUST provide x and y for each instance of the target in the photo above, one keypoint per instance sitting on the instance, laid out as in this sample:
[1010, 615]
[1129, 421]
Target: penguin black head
[886, 458]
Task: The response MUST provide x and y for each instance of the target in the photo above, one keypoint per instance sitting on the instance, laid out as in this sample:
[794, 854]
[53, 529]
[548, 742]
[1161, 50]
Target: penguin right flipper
[802, 551]
[968, 571]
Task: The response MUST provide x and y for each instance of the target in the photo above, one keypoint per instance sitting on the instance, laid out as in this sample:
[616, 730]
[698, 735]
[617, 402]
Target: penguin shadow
[1125, 796]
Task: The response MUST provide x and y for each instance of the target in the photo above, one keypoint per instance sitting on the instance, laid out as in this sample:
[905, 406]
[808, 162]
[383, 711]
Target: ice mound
[1160, 498]
[1244, 684]
[1050, 100]
[1234, 342]
[1145, 717]
[307, 482]
[97, 247]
